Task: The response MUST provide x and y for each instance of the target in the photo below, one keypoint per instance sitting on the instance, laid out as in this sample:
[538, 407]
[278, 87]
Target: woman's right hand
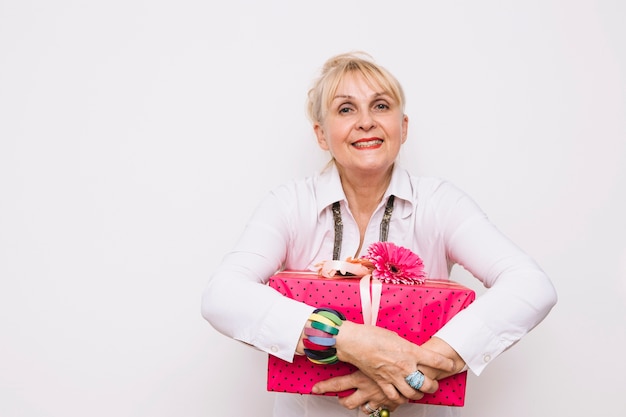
[387, 358]
[367, 391]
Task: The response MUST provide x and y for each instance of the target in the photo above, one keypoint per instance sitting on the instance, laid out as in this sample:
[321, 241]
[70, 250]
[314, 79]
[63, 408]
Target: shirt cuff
[475, 343]
[281, 330]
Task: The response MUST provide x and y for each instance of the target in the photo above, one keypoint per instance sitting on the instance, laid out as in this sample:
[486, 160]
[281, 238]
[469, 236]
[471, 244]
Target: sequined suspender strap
[338, 230]
[384, 225]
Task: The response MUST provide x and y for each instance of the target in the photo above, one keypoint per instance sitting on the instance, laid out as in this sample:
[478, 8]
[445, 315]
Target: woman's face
[363, 128]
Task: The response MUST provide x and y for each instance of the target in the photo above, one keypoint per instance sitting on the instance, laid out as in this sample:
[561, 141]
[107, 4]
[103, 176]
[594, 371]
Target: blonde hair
[338, 66]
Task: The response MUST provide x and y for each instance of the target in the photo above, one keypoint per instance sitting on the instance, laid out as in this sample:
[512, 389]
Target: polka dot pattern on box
[415, 312]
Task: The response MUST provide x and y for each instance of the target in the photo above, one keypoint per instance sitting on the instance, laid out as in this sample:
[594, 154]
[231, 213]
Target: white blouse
[293, 228]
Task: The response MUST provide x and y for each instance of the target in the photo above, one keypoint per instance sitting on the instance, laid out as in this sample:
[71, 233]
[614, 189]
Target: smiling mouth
[369, 143]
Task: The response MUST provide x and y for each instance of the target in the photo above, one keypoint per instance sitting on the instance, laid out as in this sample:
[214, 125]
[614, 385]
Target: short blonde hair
[325, 86]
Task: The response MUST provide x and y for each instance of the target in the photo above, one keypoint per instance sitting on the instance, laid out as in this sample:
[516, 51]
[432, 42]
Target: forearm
[519, 295]
[242, 307]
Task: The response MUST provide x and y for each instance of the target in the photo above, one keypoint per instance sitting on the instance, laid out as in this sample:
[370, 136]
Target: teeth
[373, 142]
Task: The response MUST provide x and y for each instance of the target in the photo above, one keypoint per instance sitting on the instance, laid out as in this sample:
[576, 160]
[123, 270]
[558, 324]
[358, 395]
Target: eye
[381, 106]
[345, 108]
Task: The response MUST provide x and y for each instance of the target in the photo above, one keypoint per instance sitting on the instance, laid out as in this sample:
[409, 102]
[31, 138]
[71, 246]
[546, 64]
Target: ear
[321, 137]
[405, 127]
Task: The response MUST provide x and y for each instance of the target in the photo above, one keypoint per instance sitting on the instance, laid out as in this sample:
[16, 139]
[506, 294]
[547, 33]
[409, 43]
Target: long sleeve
[238, 303]
[519, 294]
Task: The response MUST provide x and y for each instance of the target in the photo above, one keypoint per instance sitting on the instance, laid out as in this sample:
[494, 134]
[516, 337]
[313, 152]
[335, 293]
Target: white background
[136, 137]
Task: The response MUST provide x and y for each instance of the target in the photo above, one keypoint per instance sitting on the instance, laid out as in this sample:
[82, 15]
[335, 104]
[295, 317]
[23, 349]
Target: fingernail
[315, 390]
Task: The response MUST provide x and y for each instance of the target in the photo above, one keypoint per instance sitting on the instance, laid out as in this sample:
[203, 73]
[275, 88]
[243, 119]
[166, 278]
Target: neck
[365, 191]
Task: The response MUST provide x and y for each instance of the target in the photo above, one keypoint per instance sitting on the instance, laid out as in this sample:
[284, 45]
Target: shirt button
[274, 349]
[487, 358]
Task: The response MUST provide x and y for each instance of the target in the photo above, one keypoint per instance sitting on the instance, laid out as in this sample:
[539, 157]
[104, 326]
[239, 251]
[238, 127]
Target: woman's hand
[367, 392]
[387, 358]
[438, 345]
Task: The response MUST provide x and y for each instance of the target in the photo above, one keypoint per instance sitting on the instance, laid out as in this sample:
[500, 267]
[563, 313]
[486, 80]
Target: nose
[366, 121]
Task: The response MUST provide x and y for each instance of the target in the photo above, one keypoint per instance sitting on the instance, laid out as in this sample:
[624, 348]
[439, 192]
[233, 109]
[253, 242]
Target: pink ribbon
[370, 302]
[370, 294]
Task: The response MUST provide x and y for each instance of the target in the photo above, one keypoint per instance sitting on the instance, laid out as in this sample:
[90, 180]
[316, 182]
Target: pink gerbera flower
[395, 264]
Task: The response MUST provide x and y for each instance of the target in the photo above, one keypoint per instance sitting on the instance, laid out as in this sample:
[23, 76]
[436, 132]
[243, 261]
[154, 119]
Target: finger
[388, 404]
[367, 408]
[400, 395]
[432, 373]
[336, 384]
[434, 360]
[360, 397]
[353, 401]
[429, 386]
[371, 406]
[372, 394]
[410, 393]
[414, 389]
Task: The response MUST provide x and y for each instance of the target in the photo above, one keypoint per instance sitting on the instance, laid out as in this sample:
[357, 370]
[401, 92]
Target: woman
[357, 111]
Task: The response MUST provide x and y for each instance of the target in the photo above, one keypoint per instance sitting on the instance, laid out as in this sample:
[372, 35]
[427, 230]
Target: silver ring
[415, 380]
[381, 411]
[369, 408]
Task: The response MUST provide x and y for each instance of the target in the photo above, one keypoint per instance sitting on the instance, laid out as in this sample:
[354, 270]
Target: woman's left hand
[367, 392]
[436, 344]
[387, 359]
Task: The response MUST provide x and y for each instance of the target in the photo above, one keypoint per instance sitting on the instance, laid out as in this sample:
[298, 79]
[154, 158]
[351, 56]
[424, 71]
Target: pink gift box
[415, 312]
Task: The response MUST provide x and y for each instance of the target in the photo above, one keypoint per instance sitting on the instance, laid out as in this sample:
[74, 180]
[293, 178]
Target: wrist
[440, 346]
[344, 340]
[319, 341]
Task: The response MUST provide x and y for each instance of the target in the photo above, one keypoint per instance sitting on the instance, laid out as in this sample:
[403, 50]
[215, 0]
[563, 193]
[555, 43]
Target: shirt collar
[330, 190]
[329, 187]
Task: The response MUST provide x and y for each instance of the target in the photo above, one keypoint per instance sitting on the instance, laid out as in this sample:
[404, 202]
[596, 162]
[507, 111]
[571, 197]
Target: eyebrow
[344, 96]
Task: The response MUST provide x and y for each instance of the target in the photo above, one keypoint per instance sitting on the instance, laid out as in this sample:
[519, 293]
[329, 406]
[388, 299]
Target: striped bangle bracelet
[319, 344]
